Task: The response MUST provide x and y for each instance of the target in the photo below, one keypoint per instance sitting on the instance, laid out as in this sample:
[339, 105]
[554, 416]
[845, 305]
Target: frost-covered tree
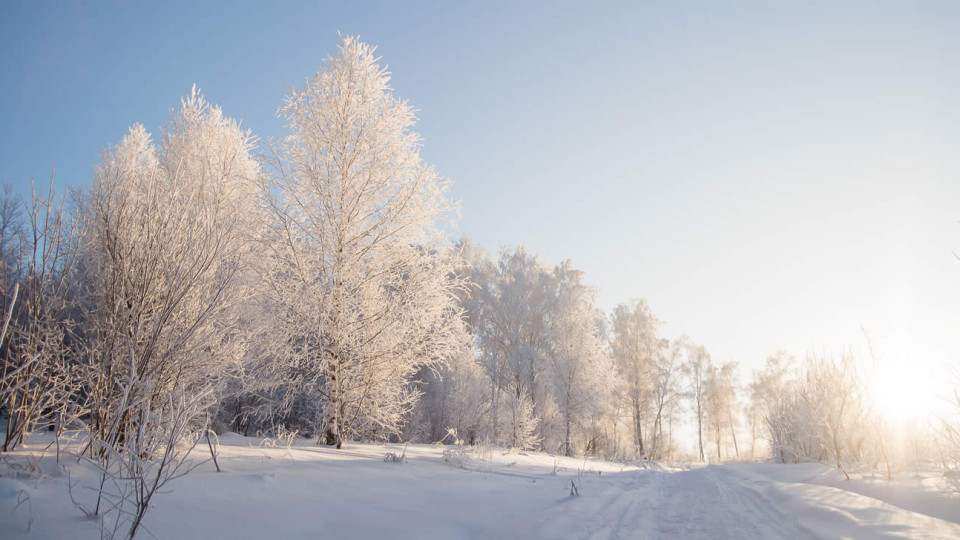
[720, 400]
[634, 345]
[697, 368]
[785, 417]
[362, 278]
[164, 239]
[520, 430]
[786, 403]
[525, 299]
[581, 374]
[666, 390]
[832, 391]
[766, 388]
[508, 312]
[541, 341]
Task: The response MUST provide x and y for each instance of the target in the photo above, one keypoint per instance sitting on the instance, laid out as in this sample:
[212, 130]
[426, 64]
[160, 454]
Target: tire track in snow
[629, 505]
[711, 503]
[735, 488]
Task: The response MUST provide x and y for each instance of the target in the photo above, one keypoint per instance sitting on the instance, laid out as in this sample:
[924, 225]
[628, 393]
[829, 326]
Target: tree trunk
[836, 435]
[494, 399]
[700, 430]
[638, 426]
[733, 433]
[655, 443]
[331, 432]
[670, 432]
[719, 457]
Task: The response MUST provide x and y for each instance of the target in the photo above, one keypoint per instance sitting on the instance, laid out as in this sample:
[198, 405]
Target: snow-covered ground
[308, 491]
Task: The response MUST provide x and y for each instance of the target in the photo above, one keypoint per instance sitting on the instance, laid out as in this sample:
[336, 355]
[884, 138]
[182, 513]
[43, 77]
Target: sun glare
[903, 392]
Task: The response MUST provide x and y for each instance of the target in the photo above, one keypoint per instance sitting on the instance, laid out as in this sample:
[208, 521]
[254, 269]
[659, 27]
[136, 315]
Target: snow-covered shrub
[947, 440]
[482, 451]
[460, 454]
[152, 454]
[281, 437]
[393, 457]
[457, 456]
[520, 427]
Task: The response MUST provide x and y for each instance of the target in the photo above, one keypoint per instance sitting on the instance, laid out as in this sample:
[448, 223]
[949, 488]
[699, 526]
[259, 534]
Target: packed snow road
[723, 502]
[306, 491]
[707, 502]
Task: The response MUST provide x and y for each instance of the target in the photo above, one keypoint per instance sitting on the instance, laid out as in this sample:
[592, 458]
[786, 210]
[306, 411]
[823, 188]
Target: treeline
[195, 285]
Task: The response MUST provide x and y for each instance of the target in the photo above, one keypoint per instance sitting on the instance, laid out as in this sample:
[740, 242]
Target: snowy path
[700, 503]
[710, 503]
[721, 502]
[316, 492]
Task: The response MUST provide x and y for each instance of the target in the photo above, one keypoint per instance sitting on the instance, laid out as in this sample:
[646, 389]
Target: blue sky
[767, 176]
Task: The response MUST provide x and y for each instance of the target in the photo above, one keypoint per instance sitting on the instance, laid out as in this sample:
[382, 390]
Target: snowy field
[306, 491]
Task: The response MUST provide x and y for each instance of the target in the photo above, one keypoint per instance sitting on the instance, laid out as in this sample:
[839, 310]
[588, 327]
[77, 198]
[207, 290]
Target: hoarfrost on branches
[363, 279]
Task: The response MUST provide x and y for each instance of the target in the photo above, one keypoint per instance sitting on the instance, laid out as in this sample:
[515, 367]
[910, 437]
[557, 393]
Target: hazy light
[904, 392]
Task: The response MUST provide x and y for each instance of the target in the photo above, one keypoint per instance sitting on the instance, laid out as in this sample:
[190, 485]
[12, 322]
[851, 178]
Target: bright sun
[902, 392]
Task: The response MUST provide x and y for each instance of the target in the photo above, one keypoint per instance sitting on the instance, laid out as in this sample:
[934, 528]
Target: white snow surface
[308, 491]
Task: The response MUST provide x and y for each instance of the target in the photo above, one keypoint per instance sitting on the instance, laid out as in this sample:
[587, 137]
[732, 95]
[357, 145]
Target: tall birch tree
[364, 280]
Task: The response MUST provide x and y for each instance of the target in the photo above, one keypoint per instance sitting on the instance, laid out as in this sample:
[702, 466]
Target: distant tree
[38, 251]
[581, 374]
[721, 402]
[524, 303]
[697, 368]
[508, 313]
[666, 388]
[767, 388]
[11, 234]
[540, 340]
[832, 390]
[634, 346]
[810, 414]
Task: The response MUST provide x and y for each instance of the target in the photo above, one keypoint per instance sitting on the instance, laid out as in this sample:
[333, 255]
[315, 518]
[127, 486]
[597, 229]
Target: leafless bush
[153, 454]
[24, 498]
[29, 468]
[460, 455]
[37, 255]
